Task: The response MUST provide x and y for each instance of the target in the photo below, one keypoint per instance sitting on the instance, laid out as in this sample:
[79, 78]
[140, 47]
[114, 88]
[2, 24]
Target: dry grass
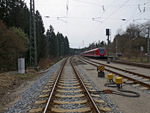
[134, 59]
[46, 63]
[10, 82]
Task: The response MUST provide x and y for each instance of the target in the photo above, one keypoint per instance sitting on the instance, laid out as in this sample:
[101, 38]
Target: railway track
[137, 78]
[69, 92]
[132, 63]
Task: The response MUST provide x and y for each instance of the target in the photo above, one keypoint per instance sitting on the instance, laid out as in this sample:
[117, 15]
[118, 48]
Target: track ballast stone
[111, 104]
[30, 95]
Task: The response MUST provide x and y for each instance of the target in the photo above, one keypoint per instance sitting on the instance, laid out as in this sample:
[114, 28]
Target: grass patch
[134, 59]
[46, 63]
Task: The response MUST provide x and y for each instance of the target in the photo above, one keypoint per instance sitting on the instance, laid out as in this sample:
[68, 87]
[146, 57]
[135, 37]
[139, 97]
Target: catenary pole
[33, 45]
[148, 50]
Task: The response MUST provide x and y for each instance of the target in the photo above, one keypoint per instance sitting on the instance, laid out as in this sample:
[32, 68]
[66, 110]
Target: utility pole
[108, 34]
[148, 52]
[33, 46]
[116, 49]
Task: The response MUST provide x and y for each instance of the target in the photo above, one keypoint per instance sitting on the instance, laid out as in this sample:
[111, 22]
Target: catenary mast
[33, 46]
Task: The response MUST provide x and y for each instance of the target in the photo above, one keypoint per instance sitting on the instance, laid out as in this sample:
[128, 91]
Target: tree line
[130, 41]
[126, 43]
[14, 36]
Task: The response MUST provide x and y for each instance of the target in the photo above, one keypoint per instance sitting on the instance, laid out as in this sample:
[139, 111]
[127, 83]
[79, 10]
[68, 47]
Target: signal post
[108, 34]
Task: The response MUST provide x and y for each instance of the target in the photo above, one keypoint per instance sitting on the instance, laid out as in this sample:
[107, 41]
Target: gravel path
[140, 70]
[108, 101]
[30, 95]
[125, 104]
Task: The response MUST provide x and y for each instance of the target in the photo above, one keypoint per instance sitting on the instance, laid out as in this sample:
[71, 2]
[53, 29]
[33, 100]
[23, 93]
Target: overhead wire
[139, 8]
[143, 10]
[67, 8]
[108, 7]
[65, 17]
[104, 10]
[133, 15]
[90, 3]
[128, 20]
[116, 10]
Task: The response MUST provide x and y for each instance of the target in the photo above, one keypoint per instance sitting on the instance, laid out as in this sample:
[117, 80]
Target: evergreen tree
[66, 46]
[14, 44]
[39, 35]
[52, 41]
[15, 13]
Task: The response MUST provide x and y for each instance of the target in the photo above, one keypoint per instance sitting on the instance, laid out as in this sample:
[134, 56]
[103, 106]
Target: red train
[97, 52]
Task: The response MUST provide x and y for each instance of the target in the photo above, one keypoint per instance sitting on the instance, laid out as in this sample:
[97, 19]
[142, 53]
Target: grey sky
[80, 27]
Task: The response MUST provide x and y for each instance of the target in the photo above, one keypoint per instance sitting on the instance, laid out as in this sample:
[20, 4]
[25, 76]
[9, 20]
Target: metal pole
[148, 52]
[30, 33]
[34, 25]
[33, 45]
[141, 56]
[116, 48]
[108, 60]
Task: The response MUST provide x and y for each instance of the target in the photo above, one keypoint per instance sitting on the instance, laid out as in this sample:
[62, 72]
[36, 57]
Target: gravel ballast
[68, 74]
[30, 95]
[109, 103]
[125, 104]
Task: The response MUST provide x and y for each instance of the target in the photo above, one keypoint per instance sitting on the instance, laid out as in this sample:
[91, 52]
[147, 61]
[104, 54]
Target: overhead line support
[33, 45]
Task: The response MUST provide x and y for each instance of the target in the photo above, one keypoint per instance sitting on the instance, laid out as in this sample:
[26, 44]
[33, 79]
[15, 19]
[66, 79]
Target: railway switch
[110, 77]
[118, 81]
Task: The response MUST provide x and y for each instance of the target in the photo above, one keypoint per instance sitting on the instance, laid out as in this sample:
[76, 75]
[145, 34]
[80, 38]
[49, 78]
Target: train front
[102, 52]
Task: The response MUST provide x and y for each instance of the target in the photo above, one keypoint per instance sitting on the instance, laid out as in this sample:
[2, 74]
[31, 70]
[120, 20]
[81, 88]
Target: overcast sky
[78, 15]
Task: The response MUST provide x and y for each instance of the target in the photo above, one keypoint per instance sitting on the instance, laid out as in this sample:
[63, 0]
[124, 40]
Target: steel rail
[148, 77]
[133, 64]
[92, 102]
[54, 86]
[137, 81]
